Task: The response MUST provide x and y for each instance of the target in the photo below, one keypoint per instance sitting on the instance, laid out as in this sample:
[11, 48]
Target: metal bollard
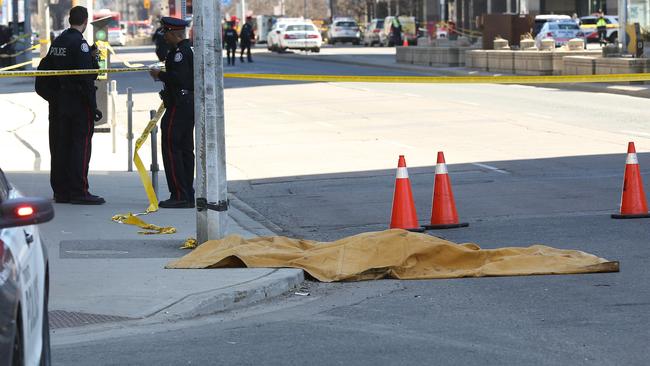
[129, 132]
[154, 154]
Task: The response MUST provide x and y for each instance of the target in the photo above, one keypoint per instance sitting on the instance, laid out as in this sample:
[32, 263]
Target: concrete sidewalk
[107, 271]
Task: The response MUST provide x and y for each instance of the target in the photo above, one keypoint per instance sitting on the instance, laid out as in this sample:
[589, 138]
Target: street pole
[44, 27]
[622, 25]
[211, 184]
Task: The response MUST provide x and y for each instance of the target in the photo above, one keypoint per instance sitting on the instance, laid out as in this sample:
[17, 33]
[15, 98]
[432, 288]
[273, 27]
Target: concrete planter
[576, 44]
[501, 44]
[548, 44]
[533, 63]
[527, 45]
[477, 58]
[501, 61]
[579, 65]
[621, 65]
[558, 58]
[403, 55]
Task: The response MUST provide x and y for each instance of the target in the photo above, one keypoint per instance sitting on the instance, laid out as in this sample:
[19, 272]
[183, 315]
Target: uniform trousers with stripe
[177, 127]
[74, 128]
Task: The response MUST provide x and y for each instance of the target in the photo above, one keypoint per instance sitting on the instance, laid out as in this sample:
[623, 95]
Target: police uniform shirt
[230, 37]
[70, 51]
[179, 66]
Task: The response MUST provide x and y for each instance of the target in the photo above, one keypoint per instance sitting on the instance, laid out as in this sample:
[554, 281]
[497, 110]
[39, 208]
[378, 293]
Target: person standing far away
[246, 39]
[601, 25]
[76, 112]
[230, 42]
[396, 30]
[575, 18]
[178, 121]
[158, 39]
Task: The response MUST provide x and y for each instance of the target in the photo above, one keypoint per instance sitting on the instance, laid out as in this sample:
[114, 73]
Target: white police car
[24, 280]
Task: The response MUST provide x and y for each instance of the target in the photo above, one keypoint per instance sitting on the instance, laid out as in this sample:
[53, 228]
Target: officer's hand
[98, 115]
[154, 73]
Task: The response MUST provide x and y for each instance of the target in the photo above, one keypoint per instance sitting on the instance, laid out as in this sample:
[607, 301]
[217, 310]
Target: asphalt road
[528, 165]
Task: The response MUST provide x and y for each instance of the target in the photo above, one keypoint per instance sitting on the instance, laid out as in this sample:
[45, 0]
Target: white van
[540, 20]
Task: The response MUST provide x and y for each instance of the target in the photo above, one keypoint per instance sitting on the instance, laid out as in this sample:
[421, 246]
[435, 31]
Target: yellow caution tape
[501, 79]
[16, 66]
[144, 177]
[131, 219]
[190, 243]
[32, 73]
[496, 79]
[21, 52]
[126, 63]
[22, 36]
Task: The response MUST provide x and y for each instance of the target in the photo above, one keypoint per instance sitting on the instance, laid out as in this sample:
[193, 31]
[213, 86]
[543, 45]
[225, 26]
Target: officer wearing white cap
[178, 121]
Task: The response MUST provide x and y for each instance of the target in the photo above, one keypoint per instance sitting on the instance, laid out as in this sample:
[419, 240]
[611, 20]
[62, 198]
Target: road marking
[537, 115]
[626, 87]
[490, 167]
[638, 133]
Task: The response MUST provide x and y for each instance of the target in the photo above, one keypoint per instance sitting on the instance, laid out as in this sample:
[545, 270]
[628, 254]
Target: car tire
[613, 38]
[355, 43]
[315, 50]
[46, 357]
[18, 356]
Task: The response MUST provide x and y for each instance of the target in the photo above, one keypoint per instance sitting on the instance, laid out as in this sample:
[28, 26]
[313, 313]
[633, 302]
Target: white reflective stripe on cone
[441, 169]
[402, 173]
[632, 159]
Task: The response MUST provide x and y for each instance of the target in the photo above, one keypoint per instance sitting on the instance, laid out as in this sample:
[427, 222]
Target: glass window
[300, 27]
[346, 24]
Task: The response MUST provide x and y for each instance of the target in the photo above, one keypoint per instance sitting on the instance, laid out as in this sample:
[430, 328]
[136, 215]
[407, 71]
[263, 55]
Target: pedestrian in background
[76, 112]
[178, 121]
[230, 42]
[396, 31]
[246, 39]
[601, 25]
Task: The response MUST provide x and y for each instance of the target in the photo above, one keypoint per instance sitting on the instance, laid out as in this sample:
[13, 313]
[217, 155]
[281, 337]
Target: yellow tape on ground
[502, 79]
[131, 219]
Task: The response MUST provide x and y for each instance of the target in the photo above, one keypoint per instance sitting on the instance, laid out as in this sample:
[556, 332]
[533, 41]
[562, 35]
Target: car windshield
[588, 21]
[380, 24]
[300, 27]
[346, 24]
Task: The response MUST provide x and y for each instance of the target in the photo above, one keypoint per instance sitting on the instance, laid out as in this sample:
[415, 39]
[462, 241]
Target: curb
[273, 284]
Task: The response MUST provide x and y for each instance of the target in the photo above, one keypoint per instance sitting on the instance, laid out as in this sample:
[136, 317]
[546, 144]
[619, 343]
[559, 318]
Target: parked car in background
[24, 278]
[273, 37]
[263, 25]
[371, 35]
[344, 30]
[300, 36]
[561, 31]
[542, 19]
[409, 31]
[588, 25]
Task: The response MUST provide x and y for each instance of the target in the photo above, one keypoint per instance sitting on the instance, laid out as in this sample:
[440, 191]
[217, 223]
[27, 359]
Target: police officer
[178, 121]
[76, 112]
[246, 38]
[230, 42]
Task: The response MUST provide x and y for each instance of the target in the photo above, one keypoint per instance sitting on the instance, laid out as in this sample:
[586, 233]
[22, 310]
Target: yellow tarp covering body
[390, 254]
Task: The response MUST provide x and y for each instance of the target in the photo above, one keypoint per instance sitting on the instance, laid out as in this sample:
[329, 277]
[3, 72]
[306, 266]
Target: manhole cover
[70, 319]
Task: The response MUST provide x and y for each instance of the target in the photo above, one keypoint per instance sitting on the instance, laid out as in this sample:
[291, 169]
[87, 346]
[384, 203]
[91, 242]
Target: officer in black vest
[76, 113]
[246, 39]
[178, 121]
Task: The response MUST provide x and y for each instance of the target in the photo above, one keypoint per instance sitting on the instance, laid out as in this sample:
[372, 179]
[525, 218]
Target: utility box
[634, 41]
[100, 36]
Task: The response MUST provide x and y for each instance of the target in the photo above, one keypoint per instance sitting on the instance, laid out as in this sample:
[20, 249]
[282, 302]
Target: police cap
[170, 23]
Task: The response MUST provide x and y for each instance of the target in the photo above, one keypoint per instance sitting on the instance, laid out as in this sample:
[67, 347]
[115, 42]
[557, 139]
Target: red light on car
[312, 36]
[289, 36]
[375, 31]
[24, 211]
[549, 34]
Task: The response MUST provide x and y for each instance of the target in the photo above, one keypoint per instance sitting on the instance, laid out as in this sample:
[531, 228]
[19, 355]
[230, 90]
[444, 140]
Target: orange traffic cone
[633, 201]
[443, 212]
[405, 43]
[404, 215]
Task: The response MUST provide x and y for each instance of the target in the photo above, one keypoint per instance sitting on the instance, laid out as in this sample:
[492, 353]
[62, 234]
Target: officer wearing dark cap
[76, 113]
[178, 121]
